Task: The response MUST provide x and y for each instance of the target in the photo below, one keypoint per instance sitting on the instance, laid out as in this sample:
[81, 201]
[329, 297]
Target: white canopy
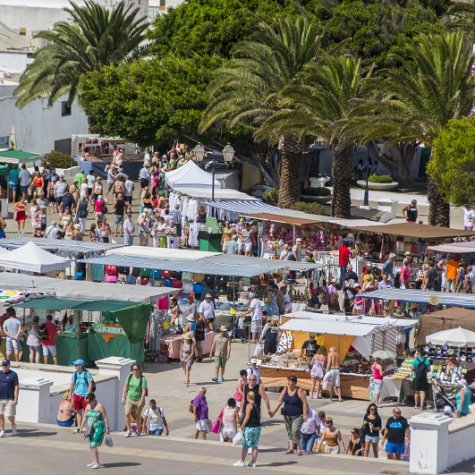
[32, 258]
[190, 176]
[454, 247]
[453, 337]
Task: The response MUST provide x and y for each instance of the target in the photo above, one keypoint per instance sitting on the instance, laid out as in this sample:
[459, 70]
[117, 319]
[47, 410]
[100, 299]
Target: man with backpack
[81, 385]
[420, 370]
[133, 398]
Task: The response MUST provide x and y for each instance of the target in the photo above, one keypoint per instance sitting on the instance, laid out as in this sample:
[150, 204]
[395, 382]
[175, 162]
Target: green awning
[18, 156]
[4, 169]
[55, 303]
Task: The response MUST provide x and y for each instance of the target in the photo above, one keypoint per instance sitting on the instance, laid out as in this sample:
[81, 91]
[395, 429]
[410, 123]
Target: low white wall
[461, 438]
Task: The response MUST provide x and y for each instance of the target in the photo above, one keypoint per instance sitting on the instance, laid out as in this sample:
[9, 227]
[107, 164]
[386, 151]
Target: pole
[212, 184]
[366, 189]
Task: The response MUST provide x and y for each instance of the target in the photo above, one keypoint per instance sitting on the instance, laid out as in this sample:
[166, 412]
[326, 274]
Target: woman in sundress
[97, 425]
[317, 371]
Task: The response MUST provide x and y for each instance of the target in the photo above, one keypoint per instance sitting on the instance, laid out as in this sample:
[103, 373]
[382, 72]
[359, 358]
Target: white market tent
[361, 327]
[83, 289]
[32, 258]
[190, 176]
[453, 337]
[454, 247]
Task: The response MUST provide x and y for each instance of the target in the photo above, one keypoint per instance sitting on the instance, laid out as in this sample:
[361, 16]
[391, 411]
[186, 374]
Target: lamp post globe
[199, 152]
[228, 153]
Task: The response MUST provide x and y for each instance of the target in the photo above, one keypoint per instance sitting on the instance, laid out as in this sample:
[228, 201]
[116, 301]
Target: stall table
[171, 345]
[354, 386]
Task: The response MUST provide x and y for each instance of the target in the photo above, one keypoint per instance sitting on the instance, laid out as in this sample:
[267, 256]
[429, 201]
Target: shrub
[271, 197]
[57, 159]
[311, 208]
[380, 179]
[319, 191]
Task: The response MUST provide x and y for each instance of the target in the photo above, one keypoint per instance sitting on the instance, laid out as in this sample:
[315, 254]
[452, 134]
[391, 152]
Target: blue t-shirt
[81, 386]
[8, 381]
[13, 176]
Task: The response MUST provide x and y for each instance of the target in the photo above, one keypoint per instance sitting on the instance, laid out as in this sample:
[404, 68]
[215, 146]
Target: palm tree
[431, 85]
[323, 105]
[97, 37]
[249, 86]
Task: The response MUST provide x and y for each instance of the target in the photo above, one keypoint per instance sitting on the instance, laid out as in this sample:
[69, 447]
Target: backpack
[85, 377]
[43, 332]
[421, 370]
[191, 407]
[140, 384]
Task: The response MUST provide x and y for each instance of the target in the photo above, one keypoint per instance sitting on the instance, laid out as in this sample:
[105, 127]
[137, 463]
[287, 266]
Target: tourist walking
[19, 214]
[154, 422]
[9, 391]
[295, 412]
[330, 441]
[420, 370]
[376, 380]
[396, 433]
[317, 371]
[229, 421]
[309, 431]
[33, 341]
[221, 349]
[129, 230]
[251, 432]
[133, 398]
[97, 425]
[81, 385]
[200, 413]
[259, 392]
[12, 328]
[48, 336]
[463, 399]
[187, 355]
[371, 426]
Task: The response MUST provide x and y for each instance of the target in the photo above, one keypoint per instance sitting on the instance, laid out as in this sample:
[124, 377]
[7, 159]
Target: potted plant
[379, 182]
[318, 195]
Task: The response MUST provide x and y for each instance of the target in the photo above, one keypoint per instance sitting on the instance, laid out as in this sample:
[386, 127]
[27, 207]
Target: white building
[30, 16]
[159, 7]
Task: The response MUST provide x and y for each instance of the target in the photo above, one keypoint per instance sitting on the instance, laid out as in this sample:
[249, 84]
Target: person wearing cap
[221, 350]
[206, 309]
[9, 391]
[253, 369]
[255, 312]
[463, 399]
[80, 386]
[187, 355]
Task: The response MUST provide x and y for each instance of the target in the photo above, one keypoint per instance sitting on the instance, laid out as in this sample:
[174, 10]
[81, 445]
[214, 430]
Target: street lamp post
[228, 155]
[366, 188]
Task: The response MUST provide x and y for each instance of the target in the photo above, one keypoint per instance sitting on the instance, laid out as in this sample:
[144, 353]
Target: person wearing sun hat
[187, 355]
[221, 349]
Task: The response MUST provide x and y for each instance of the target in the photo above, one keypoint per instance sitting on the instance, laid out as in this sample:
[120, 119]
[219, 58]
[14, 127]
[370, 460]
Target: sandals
[299, 452]
[288, 452]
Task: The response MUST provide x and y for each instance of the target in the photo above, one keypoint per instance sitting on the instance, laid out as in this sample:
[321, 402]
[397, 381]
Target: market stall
[170, 345]
[101, 328]
[355, 339]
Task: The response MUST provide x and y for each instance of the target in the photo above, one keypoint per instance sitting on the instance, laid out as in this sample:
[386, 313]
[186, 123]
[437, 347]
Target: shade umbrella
[453, 337]
[384, 355]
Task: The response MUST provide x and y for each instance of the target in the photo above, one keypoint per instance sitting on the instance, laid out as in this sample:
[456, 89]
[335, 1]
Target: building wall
[37, 126]
[35, 15]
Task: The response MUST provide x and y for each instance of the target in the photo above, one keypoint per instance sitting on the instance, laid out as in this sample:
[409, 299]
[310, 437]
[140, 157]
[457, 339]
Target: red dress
[20, 212]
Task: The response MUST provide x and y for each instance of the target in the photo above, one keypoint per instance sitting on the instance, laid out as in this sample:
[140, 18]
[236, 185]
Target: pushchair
[440, 397]
[239, 330]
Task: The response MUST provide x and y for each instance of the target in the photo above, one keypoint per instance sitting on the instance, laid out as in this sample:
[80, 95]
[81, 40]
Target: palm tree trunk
[291, 149]
[439, 209]
[342, 176]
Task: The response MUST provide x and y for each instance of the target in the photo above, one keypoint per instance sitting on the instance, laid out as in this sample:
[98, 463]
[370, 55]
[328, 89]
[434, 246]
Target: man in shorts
[395, 434]
[333, 372]
[206, 309]
[48, 344]
[9, 390]
[200, 413]
[80, 387]
[221, 349]
[12, 328]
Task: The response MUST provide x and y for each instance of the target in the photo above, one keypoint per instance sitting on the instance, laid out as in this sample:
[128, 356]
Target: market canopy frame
[15, 157]
[424, 231]
[423, 297]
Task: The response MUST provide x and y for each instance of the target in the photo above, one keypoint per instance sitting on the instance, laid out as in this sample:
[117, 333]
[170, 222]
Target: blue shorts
[155, 432]
[395, 448]
[66, 423]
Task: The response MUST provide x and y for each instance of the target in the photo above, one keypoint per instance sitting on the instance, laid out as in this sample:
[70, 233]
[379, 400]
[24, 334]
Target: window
[65, 109]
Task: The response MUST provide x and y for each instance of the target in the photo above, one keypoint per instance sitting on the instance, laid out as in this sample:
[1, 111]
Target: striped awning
[423, 297]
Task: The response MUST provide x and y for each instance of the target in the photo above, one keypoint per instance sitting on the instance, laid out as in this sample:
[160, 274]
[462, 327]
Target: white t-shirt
[90, 181]
[312, 424]
[256, 308]
[468, 216]
[83, 189]
[207, 309]
[129, 187]
[155, 418]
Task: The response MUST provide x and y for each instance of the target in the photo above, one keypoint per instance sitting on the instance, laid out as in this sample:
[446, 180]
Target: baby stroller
[239, 330]
[440, 397]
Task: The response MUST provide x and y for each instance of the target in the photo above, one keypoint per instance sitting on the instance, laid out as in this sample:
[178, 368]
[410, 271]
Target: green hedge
[319, 191]
[57, 160]
[380, 179]
[311, 208]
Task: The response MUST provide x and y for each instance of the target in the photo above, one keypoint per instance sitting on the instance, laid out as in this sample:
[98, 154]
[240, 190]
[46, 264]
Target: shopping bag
[217, 423]
[108, 441]
[258, 350]
[237, 439]
[327, 382]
